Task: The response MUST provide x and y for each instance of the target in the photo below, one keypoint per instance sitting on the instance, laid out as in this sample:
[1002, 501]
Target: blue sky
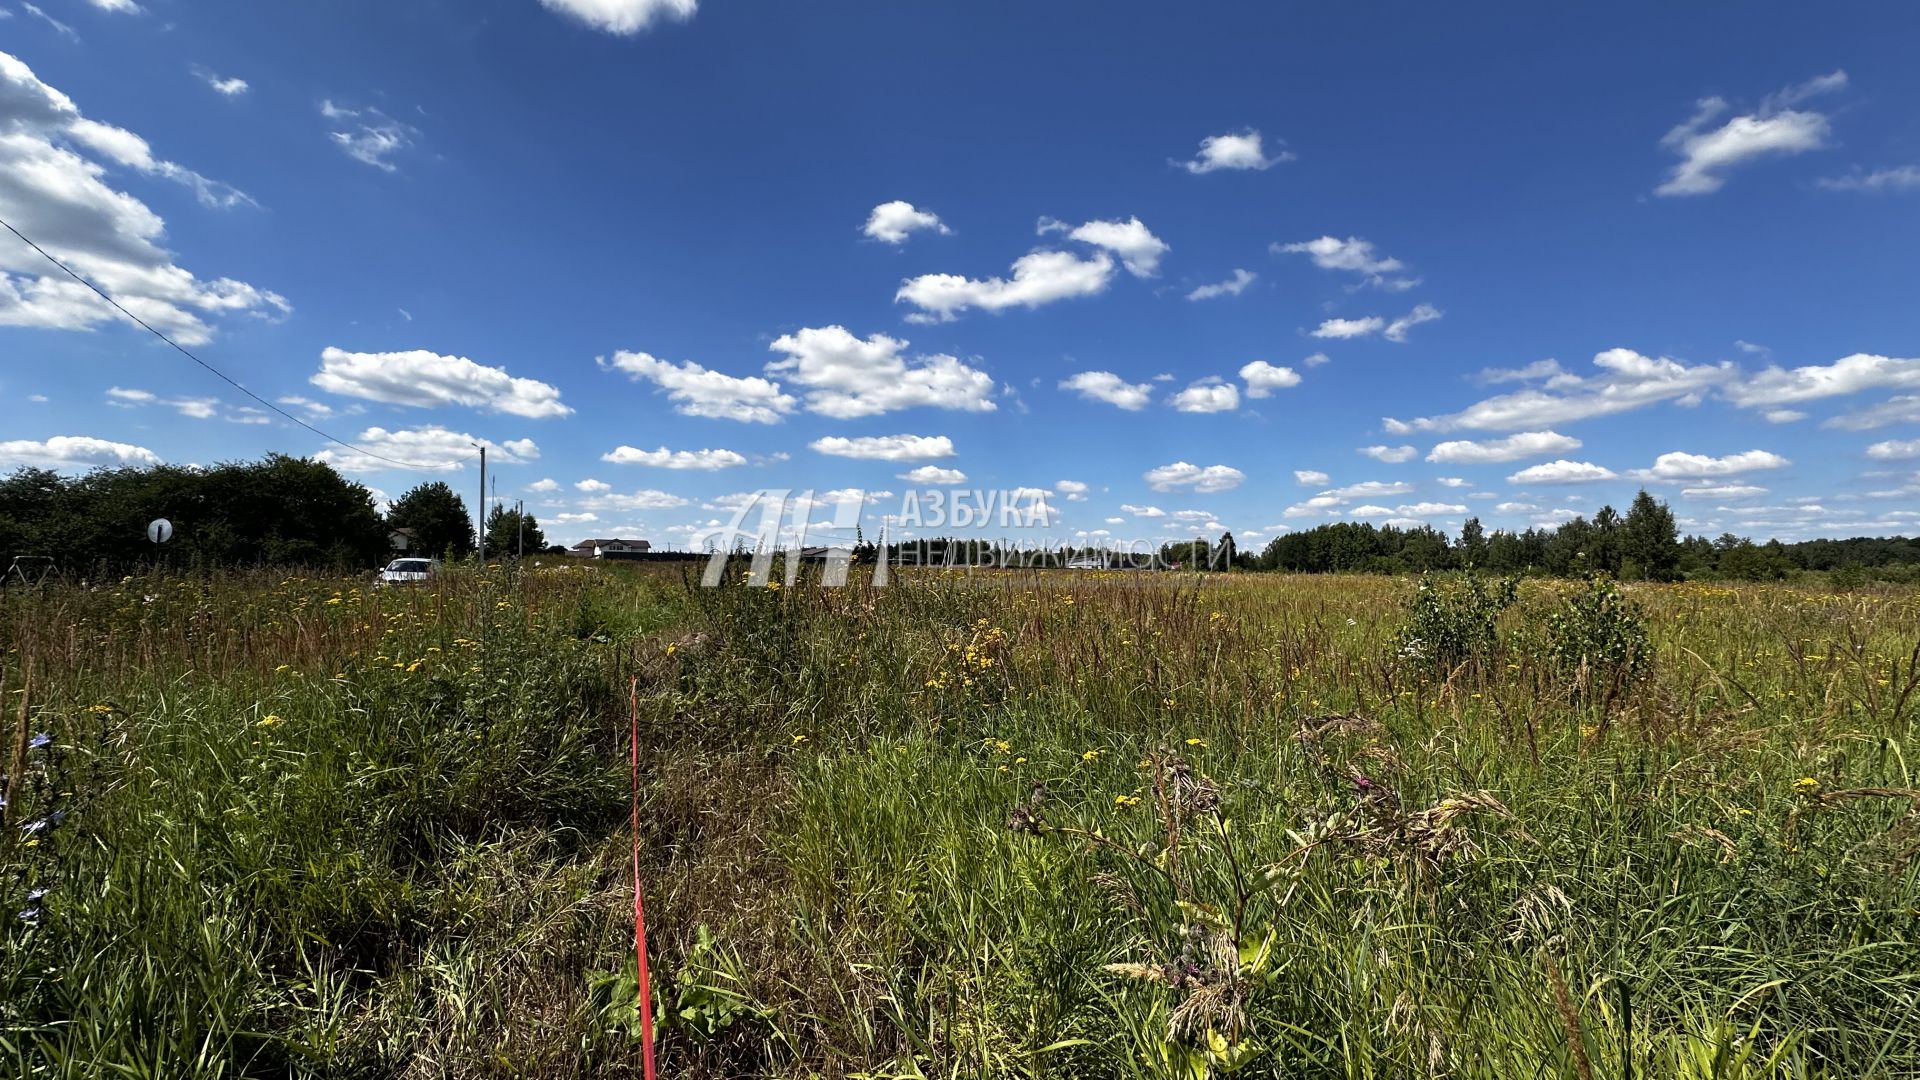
[1186, 268]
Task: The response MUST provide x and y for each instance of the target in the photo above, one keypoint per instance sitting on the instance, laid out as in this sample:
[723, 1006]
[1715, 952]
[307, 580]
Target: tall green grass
[315, 830]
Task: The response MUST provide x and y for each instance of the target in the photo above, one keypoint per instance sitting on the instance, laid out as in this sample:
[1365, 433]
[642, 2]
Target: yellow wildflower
[1090, 755]
[269, 720]
[1806, 785]
[1201, 743]
[1126, 800]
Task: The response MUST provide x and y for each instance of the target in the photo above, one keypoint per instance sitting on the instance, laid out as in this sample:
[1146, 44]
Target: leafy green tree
[281, 510]
[1649, 540]
[1225, 552]
[511, 531]
[1569, 552]
[1472, 548]
[1747, 561]
[1603, 549]
[438, 519]
[1190, 555]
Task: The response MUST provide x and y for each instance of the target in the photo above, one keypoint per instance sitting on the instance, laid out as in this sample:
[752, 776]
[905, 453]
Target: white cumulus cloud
[1263, 379]
[892, 222]
[933, 474]
[1352, 255]
[1207, 396]
[1708, 152]
[1370, 489]
[1233, 286]
[429, 449]
[1241, 150]
[1512, 448]
[674, 459]
[1350, 328]
[1310, 477]
[1679, 465]
[1899, 409]
[1847, 375]
[1039, 277]
[1138, 248]
[225, 87]
[1626, 381]
[1898, 178]
[643, 499]
[63, 452]
[1894, 450]
[700, 391]
[846, 377]
[426, 379]
[1206, 479]
[1392, 455]
[1397, 329]
[368, 135]
[1110, 388]
[54, 169]
[1562, 472]
[885, 447]
[625, 17]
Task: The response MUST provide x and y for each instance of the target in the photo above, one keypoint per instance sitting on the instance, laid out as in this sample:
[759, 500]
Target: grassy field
[997, 825]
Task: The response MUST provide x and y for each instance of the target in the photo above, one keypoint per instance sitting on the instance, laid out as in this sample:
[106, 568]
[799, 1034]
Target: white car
[408, 571]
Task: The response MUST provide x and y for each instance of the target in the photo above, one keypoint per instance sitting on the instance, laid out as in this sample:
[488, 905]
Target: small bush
[1599, 640]
[1449, 626]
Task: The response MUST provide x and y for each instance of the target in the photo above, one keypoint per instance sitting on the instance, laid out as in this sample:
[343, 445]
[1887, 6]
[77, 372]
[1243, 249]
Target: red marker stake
[639, 910]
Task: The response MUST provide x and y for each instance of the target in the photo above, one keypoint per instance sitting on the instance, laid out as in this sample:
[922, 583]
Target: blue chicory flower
[40, 825]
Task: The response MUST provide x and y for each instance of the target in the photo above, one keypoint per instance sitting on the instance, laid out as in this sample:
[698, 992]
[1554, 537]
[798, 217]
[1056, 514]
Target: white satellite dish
[160, 530]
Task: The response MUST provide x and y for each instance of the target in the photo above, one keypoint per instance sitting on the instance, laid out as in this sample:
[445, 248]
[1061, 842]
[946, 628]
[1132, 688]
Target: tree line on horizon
[292, 511]
[279, 511]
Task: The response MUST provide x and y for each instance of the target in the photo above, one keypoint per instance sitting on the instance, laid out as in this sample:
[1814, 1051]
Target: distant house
[610, 548]
[401, 539]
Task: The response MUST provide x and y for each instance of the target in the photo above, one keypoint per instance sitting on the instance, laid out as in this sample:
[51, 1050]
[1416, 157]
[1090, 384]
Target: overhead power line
[228, 379]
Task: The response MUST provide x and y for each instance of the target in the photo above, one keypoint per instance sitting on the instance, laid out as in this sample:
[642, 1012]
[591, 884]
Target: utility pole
[483, 506]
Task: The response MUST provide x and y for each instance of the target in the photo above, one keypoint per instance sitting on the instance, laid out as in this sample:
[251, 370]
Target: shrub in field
[1599, 641]
[1452, 623]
